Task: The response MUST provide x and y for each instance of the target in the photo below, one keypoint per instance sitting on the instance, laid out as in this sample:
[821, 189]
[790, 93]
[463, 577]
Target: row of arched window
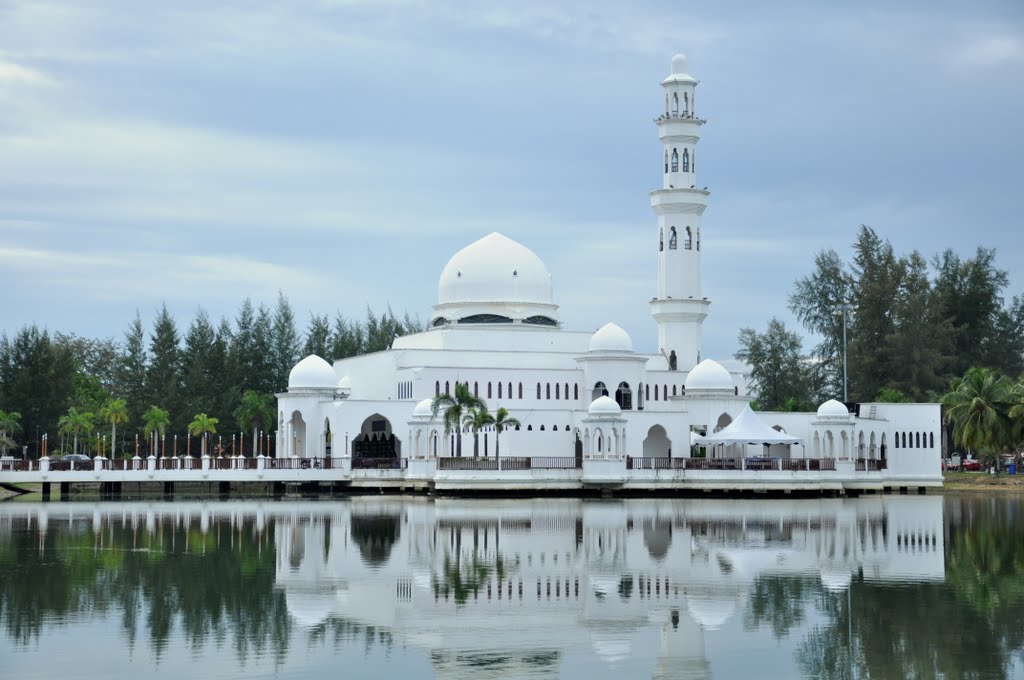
[689, 163]
[623, 394]
[673, 239]
[915, 440]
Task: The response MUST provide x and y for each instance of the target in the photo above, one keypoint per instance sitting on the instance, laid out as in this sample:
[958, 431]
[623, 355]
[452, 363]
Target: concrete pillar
[65, 490]
[224, 488]
[169, 488]
[45, 490]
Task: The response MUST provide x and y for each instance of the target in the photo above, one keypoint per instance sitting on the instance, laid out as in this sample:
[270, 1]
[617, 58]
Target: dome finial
[679, 64]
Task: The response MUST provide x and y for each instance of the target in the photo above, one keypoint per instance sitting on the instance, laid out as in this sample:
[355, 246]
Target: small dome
[424, 409]
[680, 71]
[709, 375]
[312, 373]
[611, 338]
[308, 609]
[345, 383]
[679, 64]
[711, 611]
[604, 406]
[833, 408]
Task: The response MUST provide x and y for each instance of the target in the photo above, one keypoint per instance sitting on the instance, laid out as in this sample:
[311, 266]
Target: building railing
[511, 463]
[754, 464]
[388, 463]
[870, 465]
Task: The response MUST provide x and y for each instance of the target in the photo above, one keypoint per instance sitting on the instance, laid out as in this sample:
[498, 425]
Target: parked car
[77, 458]
[971, 465]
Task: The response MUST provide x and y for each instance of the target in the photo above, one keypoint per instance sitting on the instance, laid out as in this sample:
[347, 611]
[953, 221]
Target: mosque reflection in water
[523, 588]
[454, 578]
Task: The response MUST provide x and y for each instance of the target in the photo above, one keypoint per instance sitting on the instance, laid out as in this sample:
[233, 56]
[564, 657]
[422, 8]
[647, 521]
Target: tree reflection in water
[164, 576]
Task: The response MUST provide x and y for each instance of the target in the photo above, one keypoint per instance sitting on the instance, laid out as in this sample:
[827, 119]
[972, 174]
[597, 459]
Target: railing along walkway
[511, 463]
[780, 464]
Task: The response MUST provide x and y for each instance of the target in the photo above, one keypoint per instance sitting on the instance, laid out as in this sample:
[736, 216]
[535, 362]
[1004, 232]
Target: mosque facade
[587, 397]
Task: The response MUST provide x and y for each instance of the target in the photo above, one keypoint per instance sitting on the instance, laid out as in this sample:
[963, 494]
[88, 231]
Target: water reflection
[546, 588]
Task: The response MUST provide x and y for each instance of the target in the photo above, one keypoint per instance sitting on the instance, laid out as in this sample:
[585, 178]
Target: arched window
[446, 390]
[558, 391]
[661, 240]
[673, 390]
[547, 392]
[647, 391]
[529, 428]
[510, 390]
[688, 242]
[566, 390]
[672, 238]
[686, 103]
[476, 389]
[931, 440]
[520, 390]
[917, 437]
[897, 442]
[664, 392]
[599, 391]
[666, 161]
[675, 161]
[488, 390]
[624, 396]
[499, 390]
[576, 391]
[541, 428]
[675, 103]
[686, 160]
[437, 388]
[655, 393]
[538, 391]
[698, 238]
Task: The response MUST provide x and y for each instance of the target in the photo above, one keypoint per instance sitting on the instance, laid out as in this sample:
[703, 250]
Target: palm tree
[977, 407]
[200, 426]
[9, 424]
[454, 408]
[502, 421]
[255, 411]
[154, 424]
[1016, 413]
[76, 422]
[114, 412]
[476, 420]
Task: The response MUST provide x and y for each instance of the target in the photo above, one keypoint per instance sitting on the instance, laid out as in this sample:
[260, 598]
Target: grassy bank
[982, 481]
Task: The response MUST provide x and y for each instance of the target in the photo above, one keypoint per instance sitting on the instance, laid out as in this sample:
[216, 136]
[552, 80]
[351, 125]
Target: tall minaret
[680, 307]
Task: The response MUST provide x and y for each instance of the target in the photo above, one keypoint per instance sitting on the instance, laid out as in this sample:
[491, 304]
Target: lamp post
[844, 309]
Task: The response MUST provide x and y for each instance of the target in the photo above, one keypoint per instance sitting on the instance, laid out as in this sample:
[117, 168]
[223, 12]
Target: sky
[193, 153]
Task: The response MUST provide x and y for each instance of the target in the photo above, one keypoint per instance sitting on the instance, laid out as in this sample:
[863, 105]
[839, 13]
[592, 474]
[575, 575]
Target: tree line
[912, 326]
[162, 379]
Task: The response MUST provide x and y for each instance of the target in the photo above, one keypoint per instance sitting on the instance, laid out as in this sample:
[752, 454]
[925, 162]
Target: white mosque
[592, 408]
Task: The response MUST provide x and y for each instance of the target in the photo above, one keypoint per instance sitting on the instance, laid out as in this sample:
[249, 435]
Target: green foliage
[256, 412]
[76, 423]
[978, 407]
[453, 408]
[779, 374]
[888, 395]
[908, 328]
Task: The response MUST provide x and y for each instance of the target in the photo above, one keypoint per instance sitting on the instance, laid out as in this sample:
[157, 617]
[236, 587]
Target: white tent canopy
[748, 429]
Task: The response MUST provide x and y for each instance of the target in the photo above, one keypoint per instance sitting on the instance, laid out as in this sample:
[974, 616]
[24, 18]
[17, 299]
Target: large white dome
[709, 375]
[611, 338]
[495, 280]
[312, 373]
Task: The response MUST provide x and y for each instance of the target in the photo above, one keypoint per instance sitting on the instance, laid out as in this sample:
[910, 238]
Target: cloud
[12, 73]
[991, 50]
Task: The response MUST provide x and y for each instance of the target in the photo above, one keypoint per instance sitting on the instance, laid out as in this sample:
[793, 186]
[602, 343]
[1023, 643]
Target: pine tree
[286, 345]
[163, 379]
[318, 337]
[132, 370]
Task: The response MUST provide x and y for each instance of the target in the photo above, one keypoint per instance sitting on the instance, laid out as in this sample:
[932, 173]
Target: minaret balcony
[682, 116]
[680, 200]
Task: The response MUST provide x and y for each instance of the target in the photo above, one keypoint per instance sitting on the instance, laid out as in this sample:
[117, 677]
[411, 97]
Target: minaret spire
[680, 307]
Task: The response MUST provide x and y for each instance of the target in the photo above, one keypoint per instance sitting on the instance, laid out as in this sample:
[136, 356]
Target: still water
[881, 587]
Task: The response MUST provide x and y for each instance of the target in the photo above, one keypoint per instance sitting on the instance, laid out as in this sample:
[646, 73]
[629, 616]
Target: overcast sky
[197, 152]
